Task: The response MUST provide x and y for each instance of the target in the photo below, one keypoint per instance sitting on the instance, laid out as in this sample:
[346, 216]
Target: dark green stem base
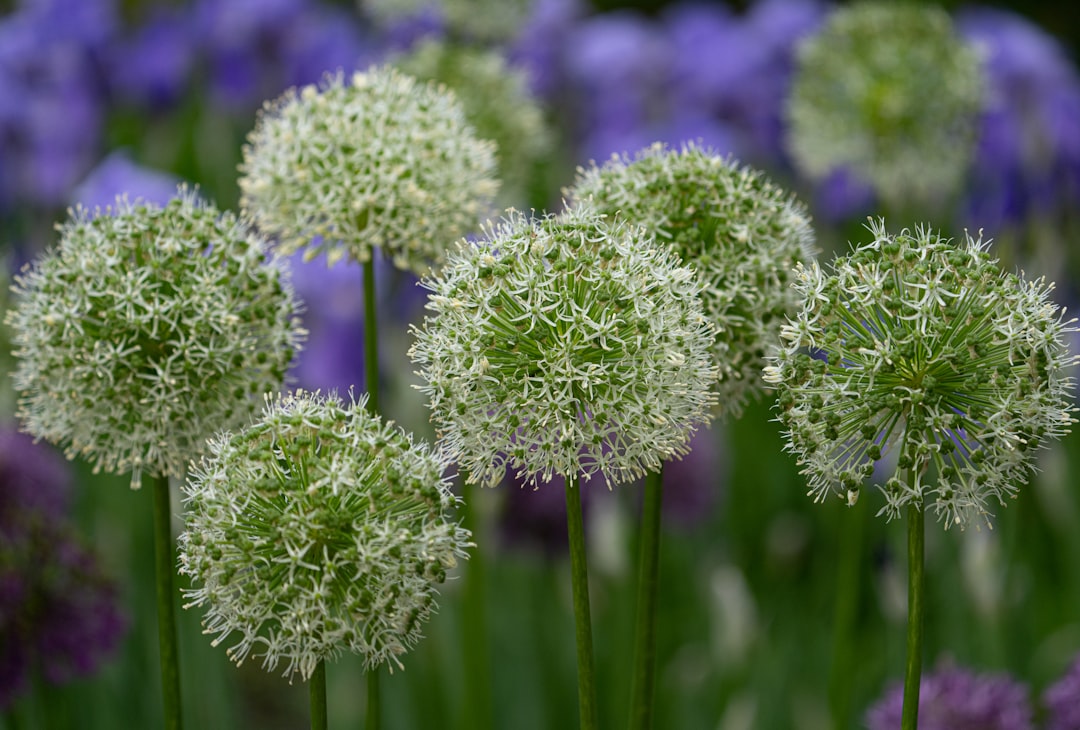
[317, 696]
[644, 671]
[579, 578]
[913, 673]
[164, 564]
[373, 712]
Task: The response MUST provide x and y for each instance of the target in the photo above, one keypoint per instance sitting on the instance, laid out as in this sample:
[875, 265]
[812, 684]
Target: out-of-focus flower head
[952, 698]
[371, 160]
[921, 346]
[890, 91]
[147, 329]
[571, 345]
[1061, 701]
[540, 44]
[497, 104]
[735, 228]
[58, 612]
[318, 529]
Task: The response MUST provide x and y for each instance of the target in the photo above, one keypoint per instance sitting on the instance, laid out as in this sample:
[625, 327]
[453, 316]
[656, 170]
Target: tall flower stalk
[140, 334]
[922, 347]
[567, 346]
[375, 160]
[743, 237]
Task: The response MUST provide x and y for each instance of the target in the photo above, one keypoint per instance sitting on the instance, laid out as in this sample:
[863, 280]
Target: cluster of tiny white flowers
[569, 345]
[318, 529]
[497, 103]
[146, 330]
[741, 233]
[925, 348]
[374, 160]
[476, 20]
[890, 91]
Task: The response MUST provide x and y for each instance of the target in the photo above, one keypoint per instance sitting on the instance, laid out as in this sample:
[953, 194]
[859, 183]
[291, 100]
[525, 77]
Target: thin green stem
[371, 338]
[644, 671]
[317, 696]
[913, 673]
[476, 648]
[164, 564]
[579, 578]
[844, 615]
[374, 721]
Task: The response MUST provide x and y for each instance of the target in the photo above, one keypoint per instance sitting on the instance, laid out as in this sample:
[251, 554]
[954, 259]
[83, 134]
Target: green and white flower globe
[318, 529]
[918, 356]
[497, 103]
[372, 160]
[146, 330]
[742, 234]
[568, 346]
[891, 92]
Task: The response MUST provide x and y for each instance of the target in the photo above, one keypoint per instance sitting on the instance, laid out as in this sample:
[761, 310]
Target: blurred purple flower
[58, 613]
[541, 45]
[50, 130]
[952, 698]
[403, 33]
[117, 175]
[616, 64]
[1028, 155]
[324, 40]
[843, 196]
[737, 69]
[1062, 701]
[692, 486]
[153, 66]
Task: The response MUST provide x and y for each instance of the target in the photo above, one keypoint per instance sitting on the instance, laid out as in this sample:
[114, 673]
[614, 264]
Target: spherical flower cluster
[921, 346]
[952, 698]
[497, 103]
[566, 346]
[741, 233]
[146, 330]
[316, 529]
[374, 160]
[889, 90]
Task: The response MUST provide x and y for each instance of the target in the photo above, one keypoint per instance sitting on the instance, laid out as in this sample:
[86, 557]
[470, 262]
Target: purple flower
[952, 698]
[322, 41]
[49, 133]
[152, 67]
[1028, 155]
[117, 175]
[58, 613]
[692, 485]
[1062, 701]
[542, 44]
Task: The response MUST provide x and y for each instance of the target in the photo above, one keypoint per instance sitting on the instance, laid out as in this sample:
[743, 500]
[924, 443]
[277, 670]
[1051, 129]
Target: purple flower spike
[953, 698]
[153, 66]
[1062, 701]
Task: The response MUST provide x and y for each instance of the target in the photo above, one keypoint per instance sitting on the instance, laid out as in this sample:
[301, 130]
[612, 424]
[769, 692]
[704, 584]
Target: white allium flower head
[892, 92]
[570, 345]
[372, 160]
[922, 347]
[318, 529]
[497, 103]
[146, 330]
[742, 234]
